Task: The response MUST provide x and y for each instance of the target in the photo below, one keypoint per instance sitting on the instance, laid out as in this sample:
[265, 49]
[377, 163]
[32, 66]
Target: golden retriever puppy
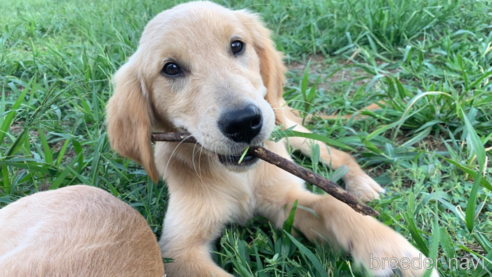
[76, 231]
[213, 72]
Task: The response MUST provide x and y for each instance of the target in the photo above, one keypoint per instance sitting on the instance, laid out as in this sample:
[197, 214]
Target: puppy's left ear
[129, 119]
[272, 68]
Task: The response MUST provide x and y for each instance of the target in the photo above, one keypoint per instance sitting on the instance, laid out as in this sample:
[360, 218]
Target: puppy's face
[203, 69]
[205, 78]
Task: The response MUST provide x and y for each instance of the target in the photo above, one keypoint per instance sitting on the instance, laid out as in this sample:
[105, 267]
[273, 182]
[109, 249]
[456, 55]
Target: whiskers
[196, 153]
[172, 153]
[198, 172]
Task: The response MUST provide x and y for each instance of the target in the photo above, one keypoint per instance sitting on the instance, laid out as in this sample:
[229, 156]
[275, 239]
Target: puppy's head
[203, 69]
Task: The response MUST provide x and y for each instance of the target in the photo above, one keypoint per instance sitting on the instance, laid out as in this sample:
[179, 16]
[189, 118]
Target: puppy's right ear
[129, 121]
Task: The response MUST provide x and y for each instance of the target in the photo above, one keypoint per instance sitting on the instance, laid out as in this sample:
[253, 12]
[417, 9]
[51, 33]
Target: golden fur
[205, 194]
[76, 231]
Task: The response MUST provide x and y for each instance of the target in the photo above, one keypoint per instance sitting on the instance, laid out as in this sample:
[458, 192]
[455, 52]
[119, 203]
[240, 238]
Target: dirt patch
[430, 142]
[44, 187]
[331, 71]
[336, 70]
[434, 144]
[17, 126]
[317, 61]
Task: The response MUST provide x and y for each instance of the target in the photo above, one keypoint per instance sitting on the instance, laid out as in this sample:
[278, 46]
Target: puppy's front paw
[386, 253]
[363, 187]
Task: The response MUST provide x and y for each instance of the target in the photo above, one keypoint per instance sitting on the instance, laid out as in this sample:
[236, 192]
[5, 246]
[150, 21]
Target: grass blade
[48, 155]
[307, 253]
[13, 110]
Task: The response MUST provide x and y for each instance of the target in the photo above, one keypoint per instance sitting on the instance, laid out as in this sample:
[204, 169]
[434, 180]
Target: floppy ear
[129, 121]
[272, 68]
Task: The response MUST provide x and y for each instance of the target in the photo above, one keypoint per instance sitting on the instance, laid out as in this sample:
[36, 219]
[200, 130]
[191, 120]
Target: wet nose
[241, 125]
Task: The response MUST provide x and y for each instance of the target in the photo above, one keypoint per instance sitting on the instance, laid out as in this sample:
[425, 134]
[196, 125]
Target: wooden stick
[295, 169]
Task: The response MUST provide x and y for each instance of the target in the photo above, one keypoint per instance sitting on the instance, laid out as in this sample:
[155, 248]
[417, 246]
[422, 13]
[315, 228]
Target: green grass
[430, 145]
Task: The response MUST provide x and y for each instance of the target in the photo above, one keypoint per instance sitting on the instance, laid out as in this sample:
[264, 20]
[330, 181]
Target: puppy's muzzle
[241, 125]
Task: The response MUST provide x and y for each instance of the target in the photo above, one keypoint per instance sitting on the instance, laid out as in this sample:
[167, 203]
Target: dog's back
[76, 231]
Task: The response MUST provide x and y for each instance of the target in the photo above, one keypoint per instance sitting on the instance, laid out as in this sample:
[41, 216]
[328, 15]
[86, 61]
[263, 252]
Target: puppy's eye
[237, 47]
[171, 69]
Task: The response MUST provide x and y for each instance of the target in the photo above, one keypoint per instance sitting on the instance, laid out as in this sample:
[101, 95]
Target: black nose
[241, 125]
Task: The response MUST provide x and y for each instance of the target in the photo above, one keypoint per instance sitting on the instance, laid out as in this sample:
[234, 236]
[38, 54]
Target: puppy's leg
[356, 180]
[379, 248]
[190, 226]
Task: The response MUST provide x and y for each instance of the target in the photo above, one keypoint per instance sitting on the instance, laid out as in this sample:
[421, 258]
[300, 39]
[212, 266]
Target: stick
[297, 170]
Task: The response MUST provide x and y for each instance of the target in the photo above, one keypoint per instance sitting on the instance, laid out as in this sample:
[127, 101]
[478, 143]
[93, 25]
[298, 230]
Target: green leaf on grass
[48, 155]
[305, 252]
[13, 110]
[287, 227]
[412, 227]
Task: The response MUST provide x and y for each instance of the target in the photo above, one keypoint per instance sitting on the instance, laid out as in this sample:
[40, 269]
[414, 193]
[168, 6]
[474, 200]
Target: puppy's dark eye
[171, 69]
[237, 47]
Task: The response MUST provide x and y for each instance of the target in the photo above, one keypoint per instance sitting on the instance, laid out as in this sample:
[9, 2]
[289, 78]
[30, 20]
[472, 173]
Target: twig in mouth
[297, 170]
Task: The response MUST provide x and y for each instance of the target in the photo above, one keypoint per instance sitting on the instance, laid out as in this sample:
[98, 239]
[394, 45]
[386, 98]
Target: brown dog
[76, 231]
[215, 73]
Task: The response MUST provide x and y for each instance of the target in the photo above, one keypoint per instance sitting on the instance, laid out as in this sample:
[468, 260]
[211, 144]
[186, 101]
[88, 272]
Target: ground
[429, 144]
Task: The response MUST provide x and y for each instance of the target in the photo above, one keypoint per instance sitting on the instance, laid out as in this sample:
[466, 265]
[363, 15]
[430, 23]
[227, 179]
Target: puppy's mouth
[235, 160]
[239, 160]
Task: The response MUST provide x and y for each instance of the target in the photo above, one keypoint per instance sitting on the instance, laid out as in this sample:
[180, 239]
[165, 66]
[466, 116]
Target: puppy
[76, 231]
[213, 72]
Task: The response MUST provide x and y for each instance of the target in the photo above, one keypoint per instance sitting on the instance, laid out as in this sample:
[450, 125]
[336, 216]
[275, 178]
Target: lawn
[430, 144]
